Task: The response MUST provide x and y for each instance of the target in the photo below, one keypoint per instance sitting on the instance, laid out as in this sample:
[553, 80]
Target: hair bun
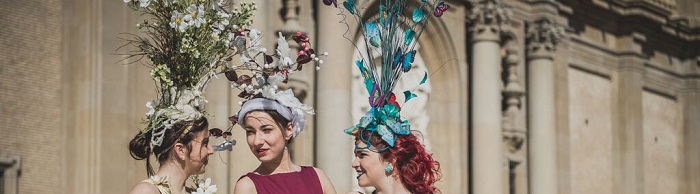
[139, 147]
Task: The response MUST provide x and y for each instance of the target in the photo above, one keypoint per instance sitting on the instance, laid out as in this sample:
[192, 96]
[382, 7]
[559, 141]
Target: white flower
[255, 41]
[151, 107]
[206, 187]
[268, 92]
[276, 79]
[283, 52]
[144, 3]
[195, 16]
[224, 19]
[127, 1]
[177, 21]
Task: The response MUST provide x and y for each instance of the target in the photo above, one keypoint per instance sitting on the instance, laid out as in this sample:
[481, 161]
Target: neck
[391, 185]
[176, 176]
[282, 164]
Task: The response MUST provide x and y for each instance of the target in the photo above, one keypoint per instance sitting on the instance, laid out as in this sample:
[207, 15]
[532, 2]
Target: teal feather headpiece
[394, 35]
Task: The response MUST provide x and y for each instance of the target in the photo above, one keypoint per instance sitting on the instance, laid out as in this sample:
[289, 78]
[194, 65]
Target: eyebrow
[250, 128]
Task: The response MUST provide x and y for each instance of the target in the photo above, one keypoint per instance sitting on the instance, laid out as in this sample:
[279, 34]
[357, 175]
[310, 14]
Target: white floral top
[160, 182]
[202, 186]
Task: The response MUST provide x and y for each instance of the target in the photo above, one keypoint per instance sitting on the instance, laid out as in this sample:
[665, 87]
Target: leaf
[408, 94]
[418, 15]
[408, 36]
[350, 6]
[425, 78]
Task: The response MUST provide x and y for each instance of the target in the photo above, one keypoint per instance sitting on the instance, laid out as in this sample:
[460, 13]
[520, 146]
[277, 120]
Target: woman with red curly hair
[387, 155]
[404, 168]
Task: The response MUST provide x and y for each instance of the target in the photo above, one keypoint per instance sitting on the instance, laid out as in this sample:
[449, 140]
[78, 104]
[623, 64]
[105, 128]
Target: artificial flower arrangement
[190, 41]
[186, 42]
[392, 38]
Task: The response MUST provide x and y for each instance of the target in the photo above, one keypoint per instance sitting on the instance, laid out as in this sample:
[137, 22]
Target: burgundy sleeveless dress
[304, 181]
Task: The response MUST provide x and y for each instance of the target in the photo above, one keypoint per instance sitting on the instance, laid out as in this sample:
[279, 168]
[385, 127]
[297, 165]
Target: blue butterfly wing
[373, 33]
[408, 58]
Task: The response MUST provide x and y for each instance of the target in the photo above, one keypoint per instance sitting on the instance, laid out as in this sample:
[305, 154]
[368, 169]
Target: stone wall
[30, 91]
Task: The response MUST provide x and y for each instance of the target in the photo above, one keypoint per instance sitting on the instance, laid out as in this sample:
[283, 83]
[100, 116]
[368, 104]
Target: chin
[363, 182]
[262, 158]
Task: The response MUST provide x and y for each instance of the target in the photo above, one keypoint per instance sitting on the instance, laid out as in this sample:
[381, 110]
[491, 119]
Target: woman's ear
[180, 150]
[288, 131]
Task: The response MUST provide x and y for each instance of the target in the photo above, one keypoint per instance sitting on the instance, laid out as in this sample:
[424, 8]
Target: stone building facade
[525, 96]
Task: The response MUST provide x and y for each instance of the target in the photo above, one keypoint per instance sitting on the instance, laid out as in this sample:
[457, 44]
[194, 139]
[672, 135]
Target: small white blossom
[195, 16]
[151, 107]
[144, 3]
[177, 21]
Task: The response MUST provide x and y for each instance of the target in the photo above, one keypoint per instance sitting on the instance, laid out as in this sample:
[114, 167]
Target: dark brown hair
[182, 132]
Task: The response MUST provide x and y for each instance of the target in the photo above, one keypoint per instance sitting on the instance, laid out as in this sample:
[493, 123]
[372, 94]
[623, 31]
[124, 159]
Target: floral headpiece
[394, 36]
[260, 87]
[187, 42]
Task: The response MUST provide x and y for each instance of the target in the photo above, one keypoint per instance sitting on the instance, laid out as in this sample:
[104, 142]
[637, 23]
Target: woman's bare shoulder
[245, 185]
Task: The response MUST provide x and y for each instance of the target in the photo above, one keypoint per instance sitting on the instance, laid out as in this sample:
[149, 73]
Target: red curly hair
[415, 167]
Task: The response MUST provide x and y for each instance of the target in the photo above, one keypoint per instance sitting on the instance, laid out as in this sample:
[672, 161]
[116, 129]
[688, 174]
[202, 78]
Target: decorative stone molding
[10, 166]
[513, 92]
[290, 13]
[543, 35]
[488, 16]
[514, 140]
[291, 25]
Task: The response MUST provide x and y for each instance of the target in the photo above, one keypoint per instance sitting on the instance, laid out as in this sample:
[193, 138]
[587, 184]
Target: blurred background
[524, 96]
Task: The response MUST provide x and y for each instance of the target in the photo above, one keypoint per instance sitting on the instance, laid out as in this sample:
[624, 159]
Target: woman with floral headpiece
[270, 126]
[187, 43]
[272, 119]
[183, 152]
[388, 156]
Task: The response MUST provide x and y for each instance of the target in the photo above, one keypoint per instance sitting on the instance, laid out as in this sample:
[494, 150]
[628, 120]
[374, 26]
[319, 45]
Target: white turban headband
[283, 103]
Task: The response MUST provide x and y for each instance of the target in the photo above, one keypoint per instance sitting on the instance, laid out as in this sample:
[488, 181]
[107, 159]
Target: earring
[388, 168]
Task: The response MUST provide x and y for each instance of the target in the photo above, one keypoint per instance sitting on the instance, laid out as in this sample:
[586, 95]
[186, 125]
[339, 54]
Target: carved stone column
[333, 147]
[302, 149]
[514, 135]
[486, 19]
[542, 37]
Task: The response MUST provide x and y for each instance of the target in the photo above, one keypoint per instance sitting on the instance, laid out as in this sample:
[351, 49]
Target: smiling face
[369, 166]
[265, 137]
[198, 157]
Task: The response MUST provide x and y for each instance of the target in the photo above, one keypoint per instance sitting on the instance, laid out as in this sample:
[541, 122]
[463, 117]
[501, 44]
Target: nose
[210, 149]
[258, 140]
[355, 163]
